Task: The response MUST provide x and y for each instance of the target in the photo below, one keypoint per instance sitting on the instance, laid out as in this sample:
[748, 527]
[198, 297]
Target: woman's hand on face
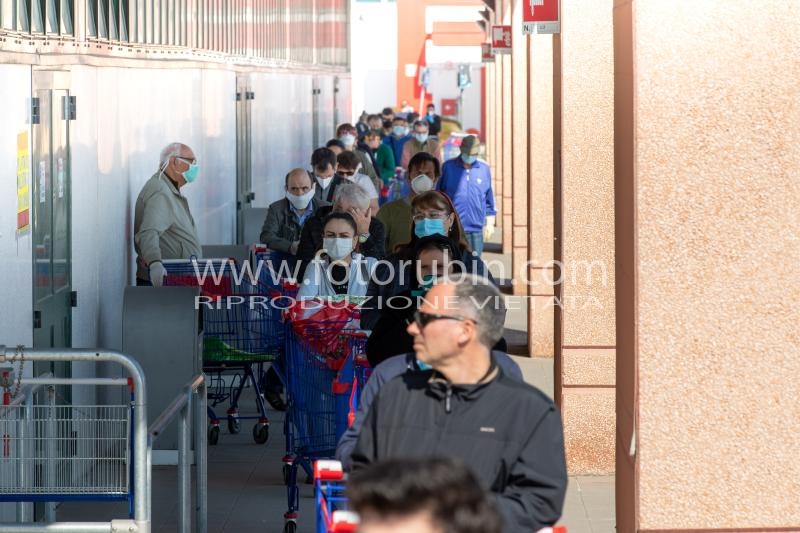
[362, 220]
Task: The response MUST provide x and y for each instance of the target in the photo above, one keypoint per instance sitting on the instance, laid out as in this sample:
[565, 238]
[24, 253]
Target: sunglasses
[423, 319]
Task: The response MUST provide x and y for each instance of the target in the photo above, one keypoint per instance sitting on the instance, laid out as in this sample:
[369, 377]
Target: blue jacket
[386, 371]
[470, 189]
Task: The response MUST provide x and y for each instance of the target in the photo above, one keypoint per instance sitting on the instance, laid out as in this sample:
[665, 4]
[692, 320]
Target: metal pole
[184, 474]
[200, 459]
[50, 432]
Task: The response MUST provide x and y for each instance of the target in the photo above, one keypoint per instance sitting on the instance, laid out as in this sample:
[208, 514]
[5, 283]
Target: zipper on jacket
[448, 395]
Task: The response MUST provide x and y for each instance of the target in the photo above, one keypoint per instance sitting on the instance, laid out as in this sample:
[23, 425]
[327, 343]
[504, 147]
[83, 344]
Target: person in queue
[163, 225]
[323, 174]
[286, 217]
[432, 213]
[423, 171]
[436, 495]
[348, 135]
[349, 167]
[421, 141]
[351, 199]
[339, 269]
[509, 433]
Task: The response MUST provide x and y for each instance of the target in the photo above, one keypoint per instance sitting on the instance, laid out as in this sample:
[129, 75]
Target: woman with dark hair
[432, 213]
[338, 269]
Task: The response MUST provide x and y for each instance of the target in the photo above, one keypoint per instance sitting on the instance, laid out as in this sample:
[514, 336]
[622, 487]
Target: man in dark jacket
[323, 175]
[466, 407]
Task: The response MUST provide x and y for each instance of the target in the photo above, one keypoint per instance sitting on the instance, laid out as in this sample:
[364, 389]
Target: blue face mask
[425, 286]
[421, 137]
[468, 159]
[191, 173]
[399, 131]
[423, 366]
[429, 226]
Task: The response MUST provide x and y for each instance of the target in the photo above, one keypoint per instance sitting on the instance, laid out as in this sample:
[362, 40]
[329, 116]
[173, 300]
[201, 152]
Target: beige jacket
[163, 226]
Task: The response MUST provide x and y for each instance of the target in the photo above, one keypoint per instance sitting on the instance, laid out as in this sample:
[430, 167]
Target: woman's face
[339, 229]
[434, 262]
[442, 214]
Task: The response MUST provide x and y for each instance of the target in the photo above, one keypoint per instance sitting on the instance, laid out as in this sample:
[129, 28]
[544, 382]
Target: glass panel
[23, 20]
[37, 16]
[67, 7]
[61, 193]
[113, 20]
[41, 201]
[52, 16]
[123, 21]
[91, 18]
[102, 19]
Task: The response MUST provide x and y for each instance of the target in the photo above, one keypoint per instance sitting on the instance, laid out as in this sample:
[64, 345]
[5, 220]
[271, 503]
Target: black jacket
[311, 238]
[326, 195]
[507, 432]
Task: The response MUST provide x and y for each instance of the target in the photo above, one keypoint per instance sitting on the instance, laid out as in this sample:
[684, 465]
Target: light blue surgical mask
[421, 137]
[399, 131]
[468, 159]
[191, 173]
[348, 139]
[429, 226]
[423, 366]
[425, 286]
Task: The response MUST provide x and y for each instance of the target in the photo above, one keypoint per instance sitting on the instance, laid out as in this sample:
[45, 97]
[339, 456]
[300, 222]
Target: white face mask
[337, 248]
[421, 184]
[300, 201]
[324, 181]
[348, 139]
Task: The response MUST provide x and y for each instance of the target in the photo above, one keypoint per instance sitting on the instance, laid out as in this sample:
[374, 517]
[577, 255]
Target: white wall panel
[374, 58]
[16, 311]
[281, 131]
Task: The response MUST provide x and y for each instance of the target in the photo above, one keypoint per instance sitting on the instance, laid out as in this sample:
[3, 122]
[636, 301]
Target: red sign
[540, 16]
[501, 39]
[449, 107]
[486, 53]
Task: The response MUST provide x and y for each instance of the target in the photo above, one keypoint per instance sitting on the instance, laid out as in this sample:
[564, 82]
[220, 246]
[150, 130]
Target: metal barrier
[139, 485]
[191, 398]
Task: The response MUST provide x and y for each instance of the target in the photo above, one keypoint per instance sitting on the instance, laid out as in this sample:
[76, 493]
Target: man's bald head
[298, 181]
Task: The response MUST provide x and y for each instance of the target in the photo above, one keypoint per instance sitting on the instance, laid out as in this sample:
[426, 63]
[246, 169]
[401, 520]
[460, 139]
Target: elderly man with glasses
[465, 406]
[162, 224]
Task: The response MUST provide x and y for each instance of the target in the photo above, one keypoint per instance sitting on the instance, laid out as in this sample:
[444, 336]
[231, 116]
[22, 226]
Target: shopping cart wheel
[234, 424]
[213, 435]
[290, 527]
[261, 433]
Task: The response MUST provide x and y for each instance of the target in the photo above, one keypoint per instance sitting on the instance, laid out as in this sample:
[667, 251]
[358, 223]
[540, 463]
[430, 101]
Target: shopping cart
[242, 332]
[56, 452]
[319, 403]
[329, 487]
[275, 272]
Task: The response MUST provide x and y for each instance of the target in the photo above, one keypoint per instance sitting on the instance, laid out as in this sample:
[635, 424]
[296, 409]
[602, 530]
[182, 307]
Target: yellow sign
[23, 170]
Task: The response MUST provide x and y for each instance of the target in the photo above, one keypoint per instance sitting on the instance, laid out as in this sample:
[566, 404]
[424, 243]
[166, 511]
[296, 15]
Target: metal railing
[140, 482]
[191, 398]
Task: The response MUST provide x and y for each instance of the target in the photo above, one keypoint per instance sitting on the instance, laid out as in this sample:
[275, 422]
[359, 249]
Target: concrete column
[540, 231]
[520, 146]
[585, 355]
[707, 156]
[503, 195]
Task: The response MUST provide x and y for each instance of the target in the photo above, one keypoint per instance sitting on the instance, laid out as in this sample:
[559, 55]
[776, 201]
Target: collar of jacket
[442, 389]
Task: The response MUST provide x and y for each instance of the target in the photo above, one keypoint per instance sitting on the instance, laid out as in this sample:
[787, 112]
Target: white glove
[488, 228]
[157, 273]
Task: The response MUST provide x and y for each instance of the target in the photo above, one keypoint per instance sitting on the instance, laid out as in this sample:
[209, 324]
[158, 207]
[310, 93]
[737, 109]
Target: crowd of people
[444, 402]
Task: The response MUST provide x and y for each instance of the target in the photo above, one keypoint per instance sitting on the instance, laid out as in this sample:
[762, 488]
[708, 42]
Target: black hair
[387, 123]
[334, 142]
[442, 487]
[424, 157]
[322, 157]
[348, 159]
[387, 111]
[347, 217]
[437, 242]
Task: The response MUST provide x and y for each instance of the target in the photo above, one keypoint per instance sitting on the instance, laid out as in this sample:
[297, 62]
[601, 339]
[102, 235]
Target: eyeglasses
[347, 172]
[440, 215]
[423, 319]
[186, 160]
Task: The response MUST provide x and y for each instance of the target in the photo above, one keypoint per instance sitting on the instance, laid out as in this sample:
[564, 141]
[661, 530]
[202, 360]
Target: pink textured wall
[714, 180]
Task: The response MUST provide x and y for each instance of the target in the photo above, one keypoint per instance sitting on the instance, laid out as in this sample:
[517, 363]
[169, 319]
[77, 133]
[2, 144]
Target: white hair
[170, 150]
[352, 193]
